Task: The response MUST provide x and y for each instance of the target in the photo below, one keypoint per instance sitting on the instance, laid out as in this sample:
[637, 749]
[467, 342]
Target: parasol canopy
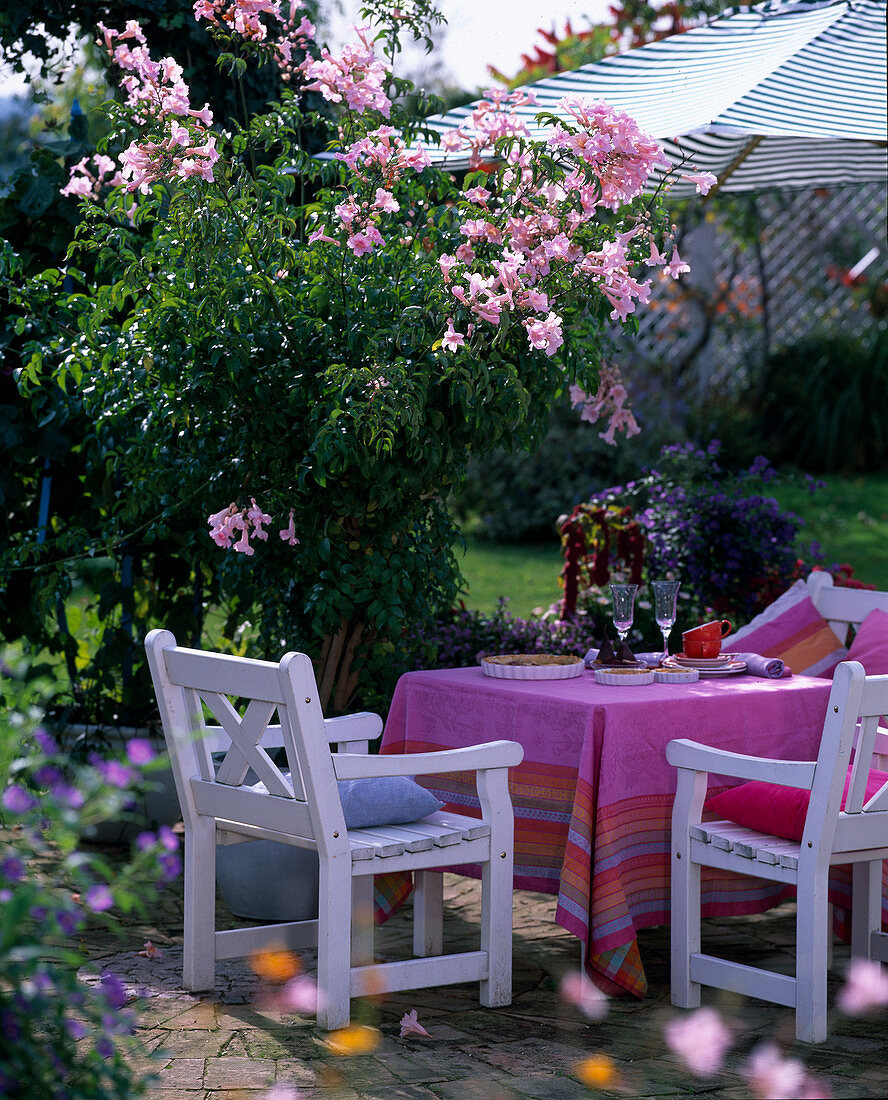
[786, 93]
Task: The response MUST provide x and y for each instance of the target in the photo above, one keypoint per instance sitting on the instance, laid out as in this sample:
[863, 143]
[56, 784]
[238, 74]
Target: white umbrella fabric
[787, 93]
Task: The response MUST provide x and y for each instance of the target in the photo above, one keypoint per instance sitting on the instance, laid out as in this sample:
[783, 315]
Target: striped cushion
[792, 629]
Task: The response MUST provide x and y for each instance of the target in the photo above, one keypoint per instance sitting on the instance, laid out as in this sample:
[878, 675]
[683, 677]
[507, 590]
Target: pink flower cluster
[701, 1039]
[158, 94]
[358, 77]
[91, 174]
[609, 402]
[494, 118]
[245, 19]
[225, 525]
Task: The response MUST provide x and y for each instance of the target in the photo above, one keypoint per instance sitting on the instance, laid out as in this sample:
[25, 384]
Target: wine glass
[623, 596]
[665, 597]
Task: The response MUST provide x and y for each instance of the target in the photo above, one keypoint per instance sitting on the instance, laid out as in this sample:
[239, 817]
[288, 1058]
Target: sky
[478, 33]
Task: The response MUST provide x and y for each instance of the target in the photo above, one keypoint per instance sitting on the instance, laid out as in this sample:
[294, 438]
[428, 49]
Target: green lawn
[848, 518]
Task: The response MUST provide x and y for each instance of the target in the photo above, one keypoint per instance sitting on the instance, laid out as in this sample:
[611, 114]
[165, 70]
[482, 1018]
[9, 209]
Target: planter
[266, 881]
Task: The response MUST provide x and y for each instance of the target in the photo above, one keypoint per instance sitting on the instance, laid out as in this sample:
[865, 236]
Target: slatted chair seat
[835, 833]
[231, 790]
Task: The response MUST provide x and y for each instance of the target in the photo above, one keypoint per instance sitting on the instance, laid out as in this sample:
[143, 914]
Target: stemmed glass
[623, 596]
[665, 597]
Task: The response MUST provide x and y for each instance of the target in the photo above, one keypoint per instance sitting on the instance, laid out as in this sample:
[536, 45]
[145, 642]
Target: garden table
[593, 797]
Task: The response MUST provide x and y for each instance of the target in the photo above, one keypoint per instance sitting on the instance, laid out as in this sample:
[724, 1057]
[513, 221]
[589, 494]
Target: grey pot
[266, 881]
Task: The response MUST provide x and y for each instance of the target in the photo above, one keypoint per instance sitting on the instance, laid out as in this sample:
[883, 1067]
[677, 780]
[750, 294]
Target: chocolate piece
[606, 655]
[625, 656]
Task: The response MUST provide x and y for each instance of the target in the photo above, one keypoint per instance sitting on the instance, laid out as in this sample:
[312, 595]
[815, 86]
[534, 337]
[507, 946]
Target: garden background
[765, 351]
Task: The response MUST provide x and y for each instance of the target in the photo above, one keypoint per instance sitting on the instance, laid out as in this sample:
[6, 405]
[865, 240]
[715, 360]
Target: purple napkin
[771, 668]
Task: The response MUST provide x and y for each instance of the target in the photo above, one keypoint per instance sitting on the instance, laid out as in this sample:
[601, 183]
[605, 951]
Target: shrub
[819, 404]
[64, 1031]
[733, 547]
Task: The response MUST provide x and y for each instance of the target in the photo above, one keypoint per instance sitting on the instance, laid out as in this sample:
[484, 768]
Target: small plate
[704, 662]
[728, 669]
[624, 677]
[676, 675]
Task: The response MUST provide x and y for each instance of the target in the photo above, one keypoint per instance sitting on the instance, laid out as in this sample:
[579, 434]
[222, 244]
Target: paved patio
[231, 1044]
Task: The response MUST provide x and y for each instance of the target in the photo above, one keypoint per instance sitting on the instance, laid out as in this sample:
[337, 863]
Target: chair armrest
[694, 756]
[493, 754]
[352, 732]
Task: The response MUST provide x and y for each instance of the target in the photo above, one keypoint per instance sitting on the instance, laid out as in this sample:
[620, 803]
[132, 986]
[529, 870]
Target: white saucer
[728, 668]
[705, 662]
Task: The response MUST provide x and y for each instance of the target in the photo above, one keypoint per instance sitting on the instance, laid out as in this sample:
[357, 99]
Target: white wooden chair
[857, 835]
[302, 807]
[842, 607]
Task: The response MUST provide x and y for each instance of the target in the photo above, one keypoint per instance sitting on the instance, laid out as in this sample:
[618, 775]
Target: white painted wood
[428, 913]
[391, 977]
[301, 807]
[858, 836]
[493, 754]
[843, 607]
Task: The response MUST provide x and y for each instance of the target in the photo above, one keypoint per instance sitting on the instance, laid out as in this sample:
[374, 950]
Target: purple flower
[113, 989]
[17, 799]
[75, 1029]
[115, 773]
[146, 841]
[69, 920]
[46, 743]
[139, 751]
[12, 869]
[168, 838]
[99, 898]
[67, 795]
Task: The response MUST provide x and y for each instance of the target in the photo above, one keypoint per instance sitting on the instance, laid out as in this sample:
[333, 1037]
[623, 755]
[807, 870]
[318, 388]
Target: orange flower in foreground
[354, 1039]
[275, 966]
[597, 1071]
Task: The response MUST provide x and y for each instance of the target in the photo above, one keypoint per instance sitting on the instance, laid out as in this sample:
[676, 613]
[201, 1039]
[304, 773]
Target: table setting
[592, 798]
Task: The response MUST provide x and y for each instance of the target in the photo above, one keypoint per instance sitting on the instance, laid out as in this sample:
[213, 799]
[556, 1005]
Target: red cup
[705, 642]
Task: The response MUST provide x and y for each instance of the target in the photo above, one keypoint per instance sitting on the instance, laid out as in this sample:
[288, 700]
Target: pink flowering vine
[609, 402]
[232, 528]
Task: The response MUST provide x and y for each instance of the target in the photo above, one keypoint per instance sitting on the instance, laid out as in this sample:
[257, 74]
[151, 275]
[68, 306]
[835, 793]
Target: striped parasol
[787, 93]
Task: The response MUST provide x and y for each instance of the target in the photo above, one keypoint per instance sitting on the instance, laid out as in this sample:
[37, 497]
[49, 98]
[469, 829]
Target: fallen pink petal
[410, 1025]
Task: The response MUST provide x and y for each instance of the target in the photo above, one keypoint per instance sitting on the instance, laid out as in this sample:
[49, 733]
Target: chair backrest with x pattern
[304, 799]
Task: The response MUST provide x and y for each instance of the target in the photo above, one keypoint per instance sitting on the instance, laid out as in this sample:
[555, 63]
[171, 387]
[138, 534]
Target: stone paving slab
[231, 1044]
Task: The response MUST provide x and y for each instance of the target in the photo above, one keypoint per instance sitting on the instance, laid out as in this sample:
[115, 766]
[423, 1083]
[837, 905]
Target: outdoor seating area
[443, 586]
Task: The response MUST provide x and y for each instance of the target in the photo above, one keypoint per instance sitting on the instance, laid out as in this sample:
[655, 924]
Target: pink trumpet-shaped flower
[289, 533]
[578, 990]
[703, 181]
[676, 265]
[700, 1040]
[865, 988]
[410, 1025]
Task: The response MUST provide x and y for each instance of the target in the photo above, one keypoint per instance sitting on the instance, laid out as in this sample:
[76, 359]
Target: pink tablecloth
[593, 797]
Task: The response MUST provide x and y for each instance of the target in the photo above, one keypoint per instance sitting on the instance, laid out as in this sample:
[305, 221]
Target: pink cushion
[779, 811]
[870, 645]
[792, 629]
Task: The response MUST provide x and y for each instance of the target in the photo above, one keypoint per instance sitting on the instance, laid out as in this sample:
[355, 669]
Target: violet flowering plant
[261, 332]
[65, 1028]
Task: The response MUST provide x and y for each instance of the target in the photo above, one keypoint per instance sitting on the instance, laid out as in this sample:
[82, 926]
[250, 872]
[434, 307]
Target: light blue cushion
[387, 800]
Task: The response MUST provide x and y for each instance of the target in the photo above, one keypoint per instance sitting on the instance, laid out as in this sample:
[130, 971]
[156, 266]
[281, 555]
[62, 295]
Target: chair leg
[866, 906]
[685, 926]
[199, 953]
[812, 934]
[363, 920]
[334, 942]
[496, 927]
[428, 913]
